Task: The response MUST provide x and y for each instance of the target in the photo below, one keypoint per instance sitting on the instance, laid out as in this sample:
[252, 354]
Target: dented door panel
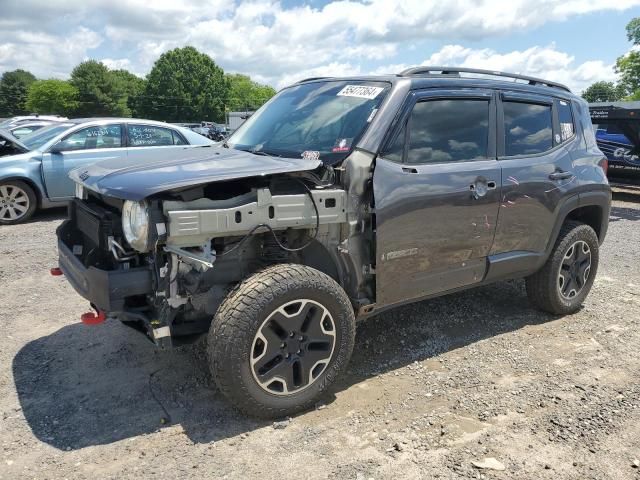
[433, 233]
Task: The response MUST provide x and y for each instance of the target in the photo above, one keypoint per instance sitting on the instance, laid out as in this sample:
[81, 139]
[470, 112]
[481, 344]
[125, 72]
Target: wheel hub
[14, 202]
[292, 347]
[295, 345]
[574, 270]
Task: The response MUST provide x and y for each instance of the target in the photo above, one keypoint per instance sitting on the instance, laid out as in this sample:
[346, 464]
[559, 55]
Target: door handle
[560, 175]
[409, 170]
[480, 188]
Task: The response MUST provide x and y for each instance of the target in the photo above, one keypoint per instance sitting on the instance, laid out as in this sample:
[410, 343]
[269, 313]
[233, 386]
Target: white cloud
[544, 62]
[279, 44]
[118, 63]
[47, 55]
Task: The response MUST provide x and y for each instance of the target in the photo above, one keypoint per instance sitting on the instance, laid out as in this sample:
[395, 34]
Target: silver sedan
[34, 169]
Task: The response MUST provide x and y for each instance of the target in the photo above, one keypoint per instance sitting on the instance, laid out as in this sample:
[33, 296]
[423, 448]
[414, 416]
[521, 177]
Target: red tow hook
[56, 271]
[91, 318]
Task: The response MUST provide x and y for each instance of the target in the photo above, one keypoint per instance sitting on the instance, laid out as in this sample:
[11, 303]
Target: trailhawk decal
[409, 252]
[360, 91]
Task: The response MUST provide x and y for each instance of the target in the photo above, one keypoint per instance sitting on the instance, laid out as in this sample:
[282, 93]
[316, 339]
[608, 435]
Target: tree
[628, 65]
[100, 92]
[132, 88]
[604, 92]
[633, 31]
[185, 85]
[246, 94]
[13, 92]
[55, 97]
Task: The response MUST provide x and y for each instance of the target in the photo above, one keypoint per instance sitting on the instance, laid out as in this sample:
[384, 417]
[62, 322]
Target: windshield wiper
[262, 152]
[256, 151]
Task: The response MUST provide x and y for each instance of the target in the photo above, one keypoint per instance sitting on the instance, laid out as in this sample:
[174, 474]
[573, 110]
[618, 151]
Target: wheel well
[590, 215]
[317, 256]
[29, 182]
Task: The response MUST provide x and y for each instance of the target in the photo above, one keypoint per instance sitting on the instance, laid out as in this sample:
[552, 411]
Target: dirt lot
[432, 387]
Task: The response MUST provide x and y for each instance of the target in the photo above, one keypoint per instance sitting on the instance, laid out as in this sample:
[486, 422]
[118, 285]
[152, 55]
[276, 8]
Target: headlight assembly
[135, 224]
[81, 193]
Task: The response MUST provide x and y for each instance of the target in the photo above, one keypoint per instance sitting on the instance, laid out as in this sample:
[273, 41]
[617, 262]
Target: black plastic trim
[106, 289]
[516, 264]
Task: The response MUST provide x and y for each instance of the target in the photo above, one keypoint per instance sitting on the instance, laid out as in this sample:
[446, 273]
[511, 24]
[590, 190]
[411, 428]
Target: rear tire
[280, 339]
[18, 202]
[562, 284]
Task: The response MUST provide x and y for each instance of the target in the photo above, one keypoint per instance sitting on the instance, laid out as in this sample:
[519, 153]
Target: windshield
[318, 120]
[42, 136]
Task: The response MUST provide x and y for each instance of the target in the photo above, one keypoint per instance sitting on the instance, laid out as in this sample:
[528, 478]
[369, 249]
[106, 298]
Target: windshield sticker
[342, 145]
[373, 114]
[360, 91]
[311, 155]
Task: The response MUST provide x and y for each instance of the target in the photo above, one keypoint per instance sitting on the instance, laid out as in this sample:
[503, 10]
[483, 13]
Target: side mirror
[57, 148]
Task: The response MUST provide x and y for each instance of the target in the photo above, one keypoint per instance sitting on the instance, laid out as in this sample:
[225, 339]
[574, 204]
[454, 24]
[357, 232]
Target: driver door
[82, 147]
[437, 189]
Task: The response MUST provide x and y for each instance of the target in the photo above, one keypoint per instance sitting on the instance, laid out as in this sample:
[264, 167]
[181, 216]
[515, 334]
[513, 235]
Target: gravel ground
[435, 390]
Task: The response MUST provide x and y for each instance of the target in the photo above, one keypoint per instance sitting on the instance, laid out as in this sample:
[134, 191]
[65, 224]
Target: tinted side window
[395, 151]
[448, 130]
[566, 120]
[149, 136]
[102, 136]
[528, 128]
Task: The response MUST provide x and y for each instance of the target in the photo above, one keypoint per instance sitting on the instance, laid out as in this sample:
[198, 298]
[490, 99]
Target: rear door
[82, 147]
[152, 140]
[436, 187]
[537, 168]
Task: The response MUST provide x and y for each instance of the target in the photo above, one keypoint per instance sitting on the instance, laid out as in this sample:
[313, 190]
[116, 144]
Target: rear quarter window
[565, 116]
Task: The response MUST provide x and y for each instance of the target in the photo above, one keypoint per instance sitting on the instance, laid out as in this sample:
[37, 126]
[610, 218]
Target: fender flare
[597, 198]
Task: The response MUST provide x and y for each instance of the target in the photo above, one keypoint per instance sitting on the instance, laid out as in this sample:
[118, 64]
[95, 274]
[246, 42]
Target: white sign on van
[360, 91]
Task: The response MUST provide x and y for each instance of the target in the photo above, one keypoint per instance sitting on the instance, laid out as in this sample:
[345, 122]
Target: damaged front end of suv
[165, 263]
[160, 244]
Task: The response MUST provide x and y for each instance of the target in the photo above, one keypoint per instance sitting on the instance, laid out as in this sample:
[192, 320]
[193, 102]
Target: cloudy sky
[571, 41]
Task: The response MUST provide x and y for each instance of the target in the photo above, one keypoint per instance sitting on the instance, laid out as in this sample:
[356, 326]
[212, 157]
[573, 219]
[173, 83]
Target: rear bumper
[107, 290]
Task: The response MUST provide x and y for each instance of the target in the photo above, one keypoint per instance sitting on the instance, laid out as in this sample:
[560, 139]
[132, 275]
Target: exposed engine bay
[198, 243]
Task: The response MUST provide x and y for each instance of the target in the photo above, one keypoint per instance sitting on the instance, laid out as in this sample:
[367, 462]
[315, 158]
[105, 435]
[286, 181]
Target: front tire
[565, 280]
[18, 202]
[280, 339]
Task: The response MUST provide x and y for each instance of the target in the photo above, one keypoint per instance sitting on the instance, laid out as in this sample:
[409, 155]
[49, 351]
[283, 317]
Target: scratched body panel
[529, 201]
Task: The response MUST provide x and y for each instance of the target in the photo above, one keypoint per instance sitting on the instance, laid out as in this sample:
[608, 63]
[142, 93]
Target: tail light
[604, 164]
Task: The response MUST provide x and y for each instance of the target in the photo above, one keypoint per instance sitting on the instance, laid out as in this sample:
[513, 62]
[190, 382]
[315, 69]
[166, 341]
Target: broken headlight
[135, 224]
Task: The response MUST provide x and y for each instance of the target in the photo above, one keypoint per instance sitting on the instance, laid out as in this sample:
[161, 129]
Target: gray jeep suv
[339, 198]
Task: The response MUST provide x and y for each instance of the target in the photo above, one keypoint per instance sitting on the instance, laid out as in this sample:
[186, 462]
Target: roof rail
[456, 71]
[311, 78]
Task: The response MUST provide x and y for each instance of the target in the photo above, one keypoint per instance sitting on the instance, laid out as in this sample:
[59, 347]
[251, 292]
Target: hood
[145, 175]
[16, 145]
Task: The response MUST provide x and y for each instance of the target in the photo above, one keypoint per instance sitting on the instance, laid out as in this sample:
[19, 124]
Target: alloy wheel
[574, 270]
[292, 347]
[14, 202]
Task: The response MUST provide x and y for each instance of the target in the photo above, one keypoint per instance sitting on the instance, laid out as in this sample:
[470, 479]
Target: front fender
[26, 169]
